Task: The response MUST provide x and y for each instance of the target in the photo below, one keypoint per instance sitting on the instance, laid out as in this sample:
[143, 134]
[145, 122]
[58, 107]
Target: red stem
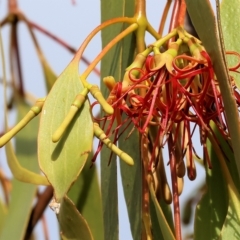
[164, 17]
[182, 13]
[178, 14]
[176, 207]
[12, 5]
[174, 17]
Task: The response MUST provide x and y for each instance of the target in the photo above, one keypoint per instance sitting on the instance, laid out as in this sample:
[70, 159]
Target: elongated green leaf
[109, 65]
[115, 64]
[230, 26]
[156, 230]
[230, 162]
[166, 231]
[22, 194]
[109, 196]
[85, 193]
[205, 24]
[62, 161]
[154, 210]
[211, 211]
[132, 187]
[73, 225]
[50, 76]
[131, 181]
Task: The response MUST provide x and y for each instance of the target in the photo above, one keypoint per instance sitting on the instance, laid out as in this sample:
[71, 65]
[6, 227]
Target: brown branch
[62, 43]
[16, 57]
[37, 212]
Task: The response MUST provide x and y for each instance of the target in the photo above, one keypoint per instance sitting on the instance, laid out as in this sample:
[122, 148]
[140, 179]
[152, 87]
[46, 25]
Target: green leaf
[85, 193]
[158, 214]
[130, 175]
[154, 211]
[63, 161]
[230, 228]
[109, 196]
[227, 150]
[50, 76]
[73, 225]
[211, 211]
[156, 230]
[230, 27]
[131, 181]
[22, 194]
[115, 63]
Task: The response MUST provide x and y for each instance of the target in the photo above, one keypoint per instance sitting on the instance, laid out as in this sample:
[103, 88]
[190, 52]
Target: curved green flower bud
[76, 105]
[33, 112]
[137, 63]
[96, 93]
[98, 132]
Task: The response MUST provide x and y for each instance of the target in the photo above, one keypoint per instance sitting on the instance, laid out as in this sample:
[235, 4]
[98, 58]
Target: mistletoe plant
[152, 97]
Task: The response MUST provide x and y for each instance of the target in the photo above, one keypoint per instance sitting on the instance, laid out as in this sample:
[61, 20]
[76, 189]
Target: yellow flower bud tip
[96, 93]
[109, 82]
[36, 109]
[108, 109]
[180, 184]
[126, 158]
[167, 195]
[67, 120]
[57, 135]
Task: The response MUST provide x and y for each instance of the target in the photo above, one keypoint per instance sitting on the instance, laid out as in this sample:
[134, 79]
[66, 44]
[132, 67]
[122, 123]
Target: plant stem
[174, 17]
[181, 13]
[96, 30]
[178, 14]
[140, 8]
[177, 221]
[16, 57]
[153, 32]
[123, 34]
[232, 190]
[164, 17]
[37, 212]
[12, 5]
[141, 19]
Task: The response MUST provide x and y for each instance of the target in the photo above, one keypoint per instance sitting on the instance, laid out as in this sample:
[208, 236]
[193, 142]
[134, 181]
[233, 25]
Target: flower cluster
[170, 88]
